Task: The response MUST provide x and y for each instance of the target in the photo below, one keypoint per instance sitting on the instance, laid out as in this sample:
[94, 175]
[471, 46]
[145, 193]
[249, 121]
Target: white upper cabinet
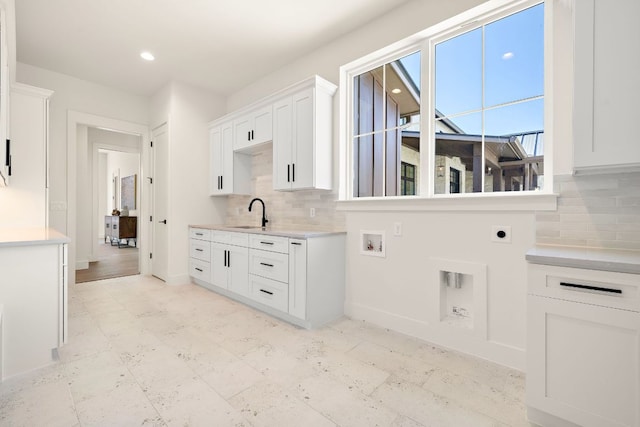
[225, 177]
[302, 138]
[607, 87]
[253, 128]
[298, 120]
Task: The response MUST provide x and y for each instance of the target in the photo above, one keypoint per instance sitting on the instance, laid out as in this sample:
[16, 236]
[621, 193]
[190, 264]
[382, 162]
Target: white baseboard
[443, 336]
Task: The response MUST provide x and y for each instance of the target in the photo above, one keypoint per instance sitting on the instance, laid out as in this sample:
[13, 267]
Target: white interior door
[160, 247]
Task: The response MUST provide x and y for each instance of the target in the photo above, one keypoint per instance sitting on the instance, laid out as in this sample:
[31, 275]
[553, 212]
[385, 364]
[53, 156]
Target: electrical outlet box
[501, 234]
[397, 229]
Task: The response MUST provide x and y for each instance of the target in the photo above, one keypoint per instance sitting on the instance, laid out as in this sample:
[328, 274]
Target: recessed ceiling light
[396, 90]
[148, 56]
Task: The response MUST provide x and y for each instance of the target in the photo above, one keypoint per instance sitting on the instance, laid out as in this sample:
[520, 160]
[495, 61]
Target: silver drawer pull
[266, 292]
[199, 269]
[199, 250]
[199, 234]
[296, 243]
[591, 288]
[267, 243]
[266, 265]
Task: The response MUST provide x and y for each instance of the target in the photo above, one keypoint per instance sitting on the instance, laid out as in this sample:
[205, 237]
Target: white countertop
[270, 231]
[31, 236]
[619, 261]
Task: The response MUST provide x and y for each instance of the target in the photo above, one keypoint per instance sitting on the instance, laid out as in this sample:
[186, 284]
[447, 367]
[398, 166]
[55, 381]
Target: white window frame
[425, 41]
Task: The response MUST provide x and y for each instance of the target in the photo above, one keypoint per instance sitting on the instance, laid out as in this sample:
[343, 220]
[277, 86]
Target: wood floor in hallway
[112, 262]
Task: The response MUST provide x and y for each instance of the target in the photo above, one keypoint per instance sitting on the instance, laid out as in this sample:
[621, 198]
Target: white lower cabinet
[269, 292]
[229, 266]
[583, 347]
[33, 296]
[298, 278]
[200, 254]
[285, 277]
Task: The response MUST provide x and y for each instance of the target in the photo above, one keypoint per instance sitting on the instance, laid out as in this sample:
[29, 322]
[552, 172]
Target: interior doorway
[85, 215]
[115, 174]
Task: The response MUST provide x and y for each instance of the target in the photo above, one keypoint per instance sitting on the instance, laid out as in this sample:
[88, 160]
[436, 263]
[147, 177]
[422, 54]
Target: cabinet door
[238, 270]
[583, 362]
[215, 160]
[263, 125]
[221, 151]
[298, 278]
[302, 148]
[282, 141]
[219, 265]
[606, 86]
[242, 132]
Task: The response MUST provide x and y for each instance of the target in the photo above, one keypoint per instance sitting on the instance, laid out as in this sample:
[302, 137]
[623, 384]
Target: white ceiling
[220, 45]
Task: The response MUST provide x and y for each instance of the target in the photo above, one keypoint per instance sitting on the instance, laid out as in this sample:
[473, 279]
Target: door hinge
[150, 255]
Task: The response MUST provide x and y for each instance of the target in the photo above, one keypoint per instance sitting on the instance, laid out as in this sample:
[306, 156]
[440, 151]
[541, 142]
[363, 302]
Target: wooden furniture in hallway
[119, 228]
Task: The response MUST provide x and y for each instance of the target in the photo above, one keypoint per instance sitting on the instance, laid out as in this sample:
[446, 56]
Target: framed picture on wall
[128, 192]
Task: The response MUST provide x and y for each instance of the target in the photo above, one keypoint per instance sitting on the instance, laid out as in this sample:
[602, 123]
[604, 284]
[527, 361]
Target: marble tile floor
[141, 353]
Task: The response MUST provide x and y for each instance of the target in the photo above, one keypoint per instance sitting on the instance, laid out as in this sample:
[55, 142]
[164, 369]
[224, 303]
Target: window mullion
[482, 117]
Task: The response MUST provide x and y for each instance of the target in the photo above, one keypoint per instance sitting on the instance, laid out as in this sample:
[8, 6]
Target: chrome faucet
[264, 211]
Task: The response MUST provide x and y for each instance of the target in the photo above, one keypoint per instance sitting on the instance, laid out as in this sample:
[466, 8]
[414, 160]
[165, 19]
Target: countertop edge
[294, 234]
[31, 237]
[617, 261]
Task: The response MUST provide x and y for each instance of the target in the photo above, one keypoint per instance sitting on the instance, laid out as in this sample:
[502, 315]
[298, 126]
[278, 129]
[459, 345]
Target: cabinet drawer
[271, 265]
[269, 292]
[269, 243]
[230, 238]
[200, 249]
[604, 288]
[200, 269]
[200, 233]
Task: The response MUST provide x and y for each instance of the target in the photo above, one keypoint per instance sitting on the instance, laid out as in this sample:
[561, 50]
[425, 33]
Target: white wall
[393, 291]
[187, 110]
[76, 95]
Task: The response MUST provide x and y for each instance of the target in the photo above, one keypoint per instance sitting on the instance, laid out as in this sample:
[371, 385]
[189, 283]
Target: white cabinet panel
[229, 173]
[272, 265]
[269, 292]
[584, 362]
[606, 86]
[298, 278]
[583, 347]
[269, 243]
[302, 139]
[200, 269]
[34, 298]
[253, 128]
[237, 270]
[230, 263]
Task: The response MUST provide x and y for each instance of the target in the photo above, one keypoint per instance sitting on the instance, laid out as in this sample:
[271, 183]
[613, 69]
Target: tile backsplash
[599, 211]
[284, 209]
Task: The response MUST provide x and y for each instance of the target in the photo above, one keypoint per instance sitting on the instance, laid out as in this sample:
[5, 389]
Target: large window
[484, 106]
[386, 106]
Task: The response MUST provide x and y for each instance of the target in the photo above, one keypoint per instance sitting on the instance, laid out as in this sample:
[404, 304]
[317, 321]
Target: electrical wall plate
[501, 233]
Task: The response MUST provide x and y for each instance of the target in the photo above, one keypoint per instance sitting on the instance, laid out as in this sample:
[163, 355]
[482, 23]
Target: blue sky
[513, 70]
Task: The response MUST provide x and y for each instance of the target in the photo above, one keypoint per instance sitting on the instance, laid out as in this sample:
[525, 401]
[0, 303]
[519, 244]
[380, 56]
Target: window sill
[471, 202]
